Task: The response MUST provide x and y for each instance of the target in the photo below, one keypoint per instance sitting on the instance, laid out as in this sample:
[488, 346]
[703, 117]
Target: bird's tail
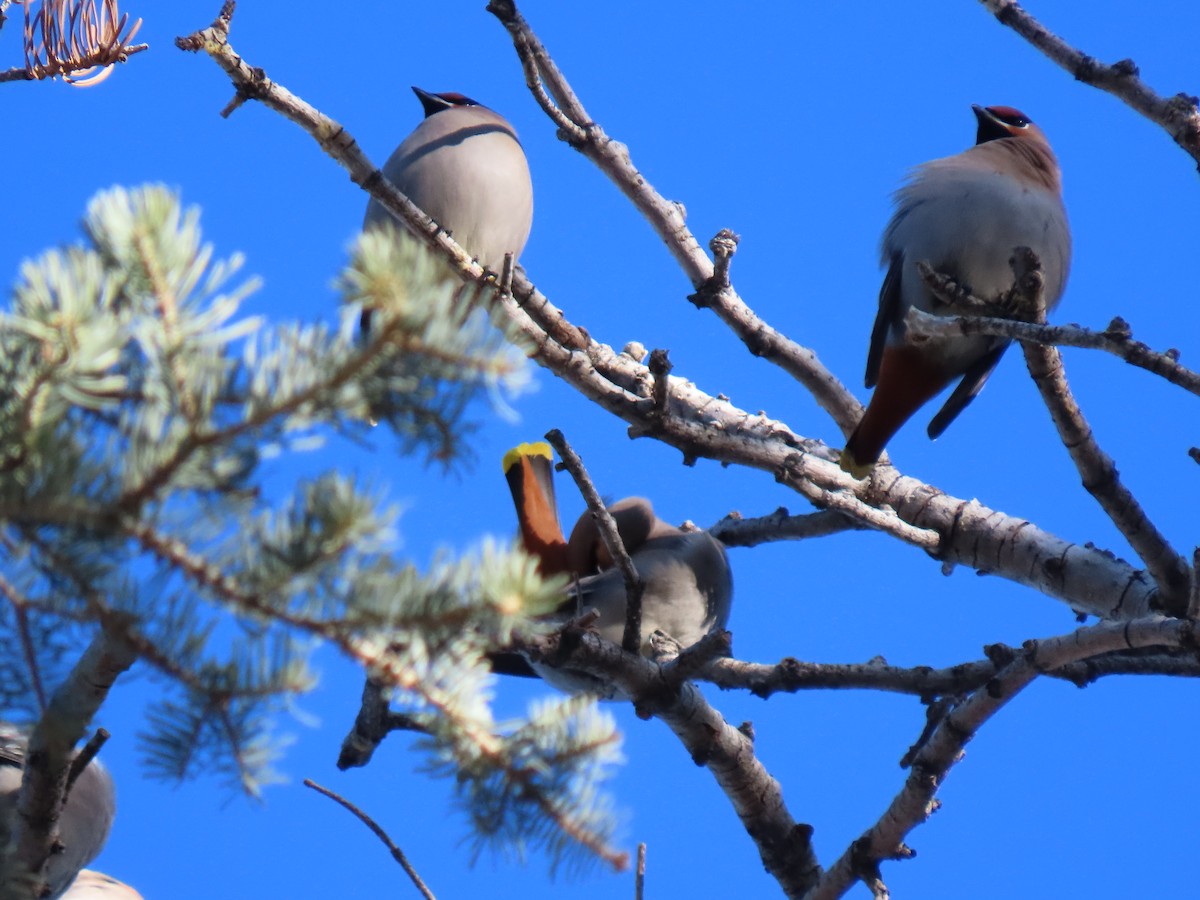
[907, 380]
[528, 469]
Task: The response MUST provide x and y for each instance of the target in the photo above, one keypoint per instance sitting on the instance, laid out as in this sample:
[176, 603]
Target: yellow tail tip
[852, 467]
[519, 452]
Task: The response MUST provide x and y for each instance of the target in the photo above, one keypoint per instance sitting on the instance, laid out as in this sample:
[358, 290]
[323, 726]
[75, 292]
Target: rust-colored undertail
[906, 382]
[529, 471]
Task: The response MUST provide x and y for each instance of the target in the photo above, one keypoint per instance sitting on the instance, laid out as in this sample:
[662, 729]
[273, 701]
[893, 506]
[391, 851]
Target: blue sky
[790, 124]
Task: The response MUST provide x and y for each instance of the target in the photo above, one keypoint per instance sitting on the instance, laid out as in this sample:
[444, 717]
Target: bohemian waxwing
[91, 885]
[85, 820]
[465, 168]
[688, 584]
[963, 215]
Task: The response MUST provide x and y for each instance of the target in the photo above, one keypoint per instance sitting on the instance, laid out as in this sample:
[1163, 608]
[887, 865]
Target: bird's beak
[990, 128]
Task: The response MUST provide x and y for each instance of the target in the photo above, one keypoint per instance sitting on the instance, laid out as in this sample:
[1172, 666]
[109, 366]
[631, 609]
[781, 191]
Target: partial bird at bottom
[83, 824]
[93, 885]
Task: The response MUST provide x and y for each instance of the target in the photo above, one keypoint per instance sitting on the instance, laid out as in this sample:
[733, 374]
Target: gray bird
[464, 166]
[688, 584]
[85, 820]
[963, 215]
[92, 885]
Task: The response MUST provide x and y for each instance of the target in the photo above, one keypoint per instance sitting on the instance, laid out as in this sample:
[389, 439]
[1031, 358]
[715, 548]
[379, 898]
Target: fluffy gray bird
[464, 166]
[92, 885]
[85, 820]
[688, 584]
[963, 215]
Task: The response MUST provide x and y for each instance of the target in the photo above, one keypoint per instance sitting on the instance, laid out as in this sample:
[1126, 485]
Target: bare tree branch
[1169, 570]
[727, 752]
[791, 675]
[1177, 115]
[915, 802]
[1116, 339]
[667, 219]
[800, 475]
[86, 754]
[734, 531]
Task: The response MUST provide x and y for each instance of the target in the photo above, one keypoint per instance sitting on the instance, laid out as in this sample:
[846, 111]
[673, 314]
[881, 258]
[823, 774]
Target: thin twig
[734, 531]
[796, 473]
[660, 370]
[397, 853]
[86, 754]
[1115, 339]
[631, 639]
[639, 883]
[691, 661]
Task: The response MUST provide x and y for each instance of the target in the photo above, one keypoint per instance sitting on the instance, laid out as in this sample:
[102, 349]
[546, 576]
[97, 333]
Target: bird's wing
[890, 308]
[972, 383]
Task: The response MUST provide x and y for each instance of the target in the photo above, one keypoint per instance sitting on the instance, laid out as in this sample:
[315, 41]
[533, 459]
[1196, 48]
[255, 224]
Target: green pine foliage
[137, 404]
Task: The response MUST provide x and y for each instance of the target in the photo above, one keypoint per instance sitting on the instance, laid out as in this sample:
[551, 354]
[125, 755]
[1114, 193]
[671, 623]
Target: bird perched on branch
[688, 584]
[964, 215]
[465, 168]
[83, 823]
